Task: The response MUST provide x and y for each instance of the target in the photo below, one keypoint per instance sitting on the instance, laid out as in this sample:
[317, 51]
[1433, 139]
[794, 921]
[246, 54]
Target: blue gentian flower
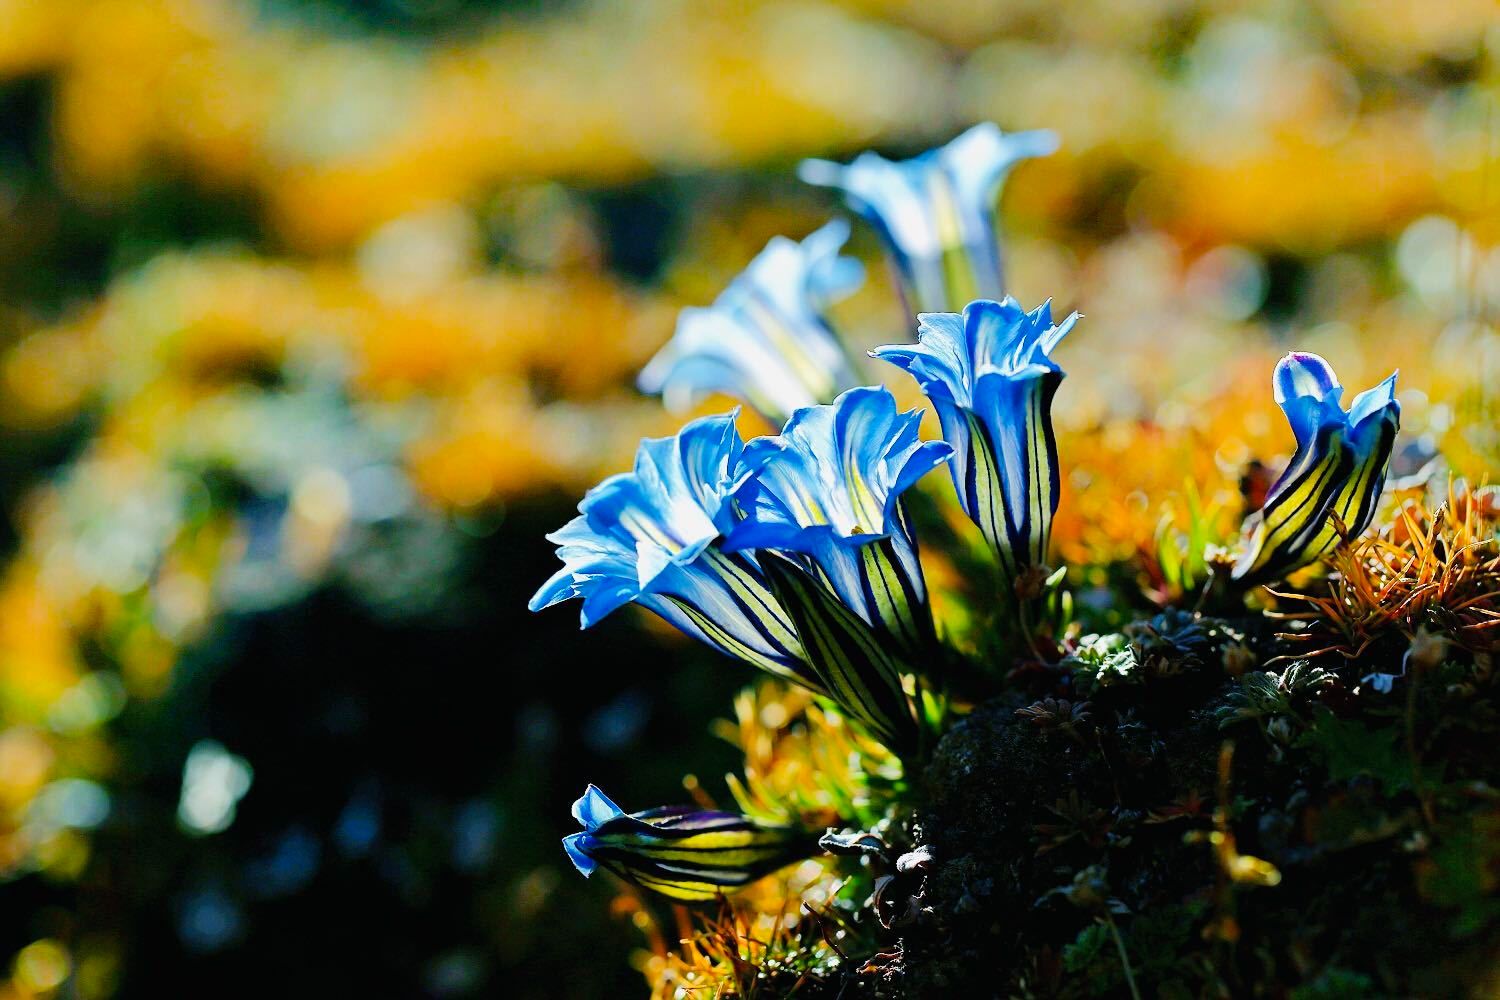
[1335, 478]
[991, 378]
[765, 339]
[687, 854]
[651, 537]
[860, 666]
[936, 212]
[822, 507]
[829, 487]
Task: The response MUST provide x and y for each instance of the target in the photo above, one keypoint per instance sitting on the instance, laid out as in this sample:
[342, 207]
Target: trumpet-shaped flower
[991, 378]
[683, 853]
[765, 340]
[651, 536]
[822, 505]
[829, 487]
[1335, 478]
[935, 213]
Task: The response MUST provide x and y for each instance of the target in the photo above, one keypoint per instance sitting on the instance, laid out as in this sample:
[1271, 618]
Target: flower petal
[991, 378]
[765, 339]
[651, 536]
[935, 213]
[577, 844]
[860, 672]
[593, 808]
[1334, 481]
[683, 853]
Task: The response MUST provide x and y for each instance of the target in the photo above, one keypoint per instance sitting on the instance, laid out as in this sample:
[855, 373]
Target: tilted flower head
[765, 340]
[1338, 470]
[651, 536]
[936, 212]
[683, 853]
[822, 506]
[829, 487]
[991, 378]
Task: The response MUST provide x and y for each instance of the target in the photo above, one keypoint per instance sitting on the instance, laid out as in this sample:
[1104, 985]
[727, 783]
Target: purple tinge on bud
[687, 854]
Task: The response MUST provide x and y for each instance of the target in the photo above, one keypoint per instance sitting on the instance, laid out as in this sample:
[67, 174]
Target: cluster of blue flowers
[796, 552]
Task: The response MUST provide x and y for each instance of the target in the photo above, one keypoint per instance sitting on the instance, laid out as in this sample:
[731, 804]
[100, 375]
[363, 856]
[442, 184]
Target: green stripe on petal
[1039, 462]
[732, 645]
[681, 853]
[987, 494]
[893, 600]
[1333, 483]
[860, 672]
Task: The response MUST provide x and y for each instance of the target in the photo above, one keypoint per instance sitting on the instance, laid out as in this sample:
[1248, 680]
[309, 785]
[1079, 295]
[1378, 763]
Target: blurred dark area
[411, 781]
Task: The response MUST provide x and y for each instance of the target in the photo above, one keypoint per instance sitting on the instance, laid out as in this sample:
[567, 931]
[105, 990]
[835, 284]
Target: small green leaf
[1348, 749]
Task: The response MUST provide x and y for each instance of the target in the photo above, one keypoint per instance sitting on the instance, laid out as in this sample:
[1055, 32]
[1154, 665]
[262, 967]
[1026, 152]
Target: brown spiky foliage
[1433, 569]
[782, 939]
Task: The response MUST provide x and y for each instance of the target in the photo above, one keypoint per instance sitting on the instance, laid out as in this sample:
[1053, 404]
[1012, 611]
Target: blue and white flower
[990, 376]
[823, 510]
[765, 339]
[829, 487]
[936, 212]
[651, 536]
[1333, 483]
[687, 854]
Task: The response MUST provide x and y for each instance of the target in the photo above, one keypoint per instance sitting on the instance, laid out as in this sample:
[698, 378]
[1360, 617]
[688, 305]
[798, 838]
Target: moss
[1014, 813]
[1056, 846]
